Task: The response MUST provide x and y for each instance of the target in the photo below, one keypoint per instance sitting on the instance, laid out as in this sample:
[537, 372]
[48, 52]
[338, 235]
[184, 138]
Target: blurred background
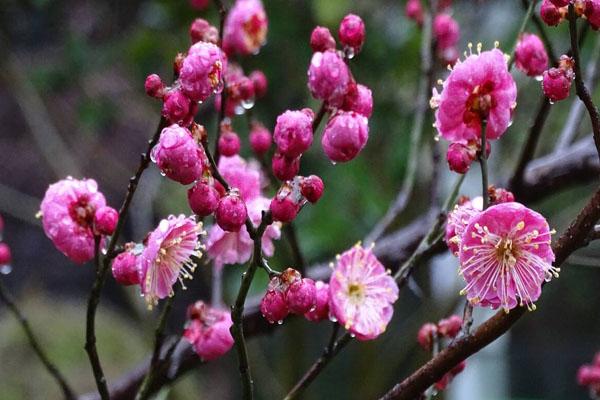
[72, 102]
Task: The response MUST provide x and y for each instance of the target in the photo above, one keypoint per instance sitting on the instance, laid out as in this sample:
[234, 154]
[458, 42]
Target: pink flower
[260, 139]
[236, 247]
[126, 267]
[105, 220]
[285, 168]
[460, 157]
[352, 32]
[505, 256]
[200, 73]
[5, 254]
[68, 210]
[244, 176]
[321, 39]
[328, 77]
[321, 309]
[209, 332]
[245, 28]
[556, 83]
[345, 136]
[202, 31]
[414, 11]
[178, 155]
[166, 257]
[359, 99]
[154, 86]
[551, 14]
[530, 55]
[361, 293]
[425, 335]
[446, 31]
[259, 80]
[457, 221]
[293, 132]
[592, 13]
[478, 88]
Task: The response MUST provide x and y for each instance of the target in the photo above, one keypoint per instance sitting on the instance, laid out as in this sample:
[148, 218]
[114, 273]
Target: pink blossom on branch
[67, 212]
[245, 28]
[208, 331]
[328, 77]
[345, 135]
[530, 55]
[361, 293]
[505, 257]
[201, 71]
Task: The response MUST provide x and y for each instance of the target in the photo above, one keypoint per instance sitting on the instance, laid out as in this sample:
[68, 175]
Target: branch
[572, 239]
[582, 91]
[7, 299]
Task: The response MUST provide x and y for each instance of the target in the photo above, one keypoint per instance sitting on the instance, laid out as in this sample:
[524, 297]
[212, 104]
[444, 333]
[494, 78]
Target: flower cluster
[207, 330]
[432, 336]
[241, 91]
[74, 214]
[556, 82]
[245, 30]
[479, 92]
[553, 12]
[588, 376]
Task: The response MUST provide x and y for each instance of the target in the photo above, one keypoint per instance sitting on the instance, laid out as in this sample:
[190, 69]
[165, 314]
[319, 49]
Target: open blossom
[505, 257]
[236, 247]
[166, 257]
[328, 77]
[208, 331]
[458, 219]
[245, 28]
[201, 71]
[243, 175]
[479, 88]
[530, 55]
[361, 293]
[68, 210]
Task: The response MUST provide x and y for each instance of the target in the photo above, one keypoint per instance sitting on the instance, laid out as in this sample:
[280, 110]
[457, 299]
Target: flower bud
[301, 296]
[260, 139]
[293, 133]
[199, 4]
[358, 99]
[530, 55]
[229, 144]
[285, 168]
[556, 84]
[154, 86]
[202, 31]
[231, 212]
[105, 220]
[176, 107]
[259, 80]
[592, 13]
[560, 3]
[311, 188]
[196, 310]
[550, 14]
[588, 375]
[201, 71]
[321, 310]
[446, 31]
[203, 198]
[321, 39]
[209, 334]
[459, 157]
[345, 136]
[126, 269]
[283, 208]
[425, 335]
[328, 77]
[273, 306]
[449, 327]
[352, 32]
[500, 195]
[414, 11]
[5, 254]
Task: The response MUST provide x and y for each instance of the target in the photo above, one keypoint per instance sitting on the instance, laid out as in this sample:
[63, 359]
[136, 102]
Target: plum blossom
[208, 331]
[245, 28]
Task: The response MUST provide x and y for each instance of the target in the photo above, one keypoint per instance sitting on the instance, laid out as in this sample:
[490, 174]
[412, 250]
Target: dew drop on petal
[5, 269]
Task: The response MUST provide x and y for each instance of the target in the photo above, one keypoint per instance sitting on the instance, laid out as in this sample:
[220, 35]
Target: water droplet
[239, 110]
[163, 173]
[510, 123]
[220, 86]
[248, 103]
[352, 335]
[313, 308]
[332, 318]
[539, 78]
[5, 269]
[349, 51]
[333, 163]
[280, 322]
[551, 102]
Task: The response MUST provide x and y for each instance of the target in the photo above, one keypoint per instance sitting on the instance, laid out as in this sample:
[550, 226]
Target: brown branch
[572, 239]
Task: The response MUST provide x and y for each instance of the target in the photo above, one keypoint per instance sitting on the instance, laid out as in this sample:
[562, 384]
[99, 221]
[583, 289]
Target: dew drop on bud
[239, 110]
[280, 322]
[551, 102]
[539, 78]
[352, 335]
[162, 173]
[5, 269]
[248, 103]
[349, 51]
[332, 318]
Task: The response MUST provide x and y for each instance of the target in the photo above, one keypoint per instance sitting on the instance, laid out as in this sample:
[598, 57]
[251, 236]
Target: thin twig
[582, 91]
[7, 299]
[159, 337]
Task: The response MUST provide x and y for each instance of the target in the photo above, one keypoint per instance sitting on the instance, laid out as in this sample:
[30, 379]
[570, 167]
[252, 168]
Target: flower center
[507, 252]
[255, 32]
[82, 212]
[356, 291]
[479, 103]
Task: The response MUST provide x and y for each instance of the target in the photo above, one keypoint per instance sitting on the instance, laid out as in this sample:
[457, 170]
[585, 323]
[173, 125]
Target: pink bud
[328, 77]
[443, 383]
[196, 310]
[202, 31]
[446, 31]
[201, 71]
[588, 375]
[260, 139]
[500, 195]
[560, 3]
[210, 335]
[126, 269]
[345, 136]
[592, 13]
[359, 99]
[246, 89]
[556, 84]
[414, 11]
[301, 296]
[321, 309]
[5, 254]
[154, 86]
[293, 133]
[199, 4]
[449, 327]
[459, 157]
[321, 39]
[273, 306]
[231, 212]
[425, 335]
[460, 367]
[260, 82]
[285, 168]
[1, 225]
[550, 14]
[105, 220]
[203, 198]
[530, 55]
[229, 144]
[283, 208]
[176, 107]
[352, 32]
[311, 188]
